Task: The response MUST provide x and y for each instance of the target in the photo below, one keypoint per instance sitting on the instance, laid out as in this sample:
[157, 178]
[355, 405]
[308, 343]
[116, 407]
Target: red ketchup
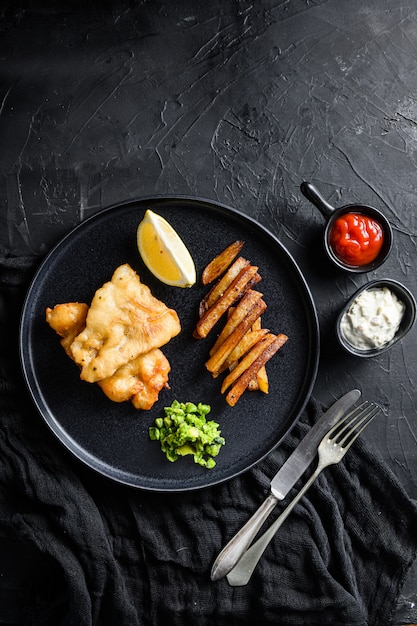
[356, 239]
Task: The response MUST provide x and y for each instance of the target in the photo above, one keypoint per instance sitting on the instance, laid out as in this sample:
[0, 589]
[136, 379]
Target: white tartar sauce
[372, 319]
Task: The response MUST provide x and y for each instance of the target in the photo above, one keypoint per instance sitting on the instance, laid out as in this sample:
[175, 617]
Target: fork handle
[240, 574]
[232, 552]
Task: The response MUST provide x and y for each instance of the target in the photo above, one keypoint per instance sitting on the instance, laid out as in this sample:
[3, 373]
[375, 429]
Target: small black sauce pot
[331, 214]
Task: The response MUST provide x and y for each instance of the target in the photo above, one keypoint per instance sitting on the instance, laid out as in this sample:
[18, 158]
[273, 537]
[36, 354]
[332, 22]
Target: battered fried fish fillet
[68, 320]
[124, 321]
[140, 380]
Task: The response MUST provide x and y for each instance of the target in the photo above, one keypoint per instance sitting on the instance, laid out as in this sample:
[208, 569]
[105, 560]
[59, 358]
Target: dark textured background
[237, 102]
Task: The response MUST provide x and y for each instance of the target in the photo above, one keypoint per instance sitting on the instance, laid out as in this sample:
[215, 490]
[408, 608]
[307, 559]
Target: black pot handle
[312, 194]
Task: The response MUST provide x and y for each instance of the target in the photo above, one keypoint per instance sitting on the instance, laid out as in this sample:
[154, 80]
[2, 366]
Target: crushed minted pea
[184, 430]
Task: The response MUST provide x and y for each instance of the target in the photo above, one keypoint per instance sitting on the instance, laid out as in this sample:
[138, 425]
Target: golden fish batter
[124, 320]
[116, 340]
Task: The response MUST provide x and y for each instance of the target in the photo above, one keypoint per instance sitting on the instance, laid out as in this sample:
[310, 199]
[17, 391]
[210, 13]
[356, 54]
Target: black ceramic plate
[113, 438]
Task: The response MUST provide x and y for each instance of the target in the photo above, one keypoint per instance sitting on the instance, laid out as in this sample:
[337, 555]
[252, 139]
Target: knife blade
[282, 482]
[303, 455]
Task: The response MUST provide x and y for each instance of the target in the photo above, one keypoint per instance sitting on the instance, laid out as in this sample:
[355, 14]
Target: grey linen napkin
[95, 553]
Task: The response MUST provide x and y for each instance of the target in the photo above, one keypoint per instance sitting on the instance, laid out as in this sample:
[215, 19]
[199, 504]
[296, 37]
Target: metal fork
[331, 450]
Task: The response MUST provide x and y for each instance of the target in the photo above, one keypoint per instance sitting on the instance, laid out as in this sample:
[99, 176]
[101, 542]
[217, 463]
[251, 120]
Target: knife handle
[232, 552]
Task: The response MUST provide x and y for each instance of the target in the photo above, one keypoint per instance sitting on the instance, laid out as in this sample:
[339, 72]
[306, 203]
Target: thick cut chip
[247, 360]
[216, 361]
[245, 344]
[236, 316]
[251, 367]
[234, 292]
[261, 381]
[124, 320]
[140, 381]
[220, 287]
[221, 262]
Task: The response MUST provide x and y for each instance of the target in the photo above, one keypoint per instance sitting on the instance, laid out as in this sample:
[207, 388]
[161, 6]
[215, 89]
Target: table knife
[282, 482]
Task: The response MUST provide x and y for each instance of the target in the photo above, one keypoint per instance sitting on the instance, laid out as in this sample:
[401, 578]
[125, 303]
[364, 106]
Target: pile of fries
[243, 347]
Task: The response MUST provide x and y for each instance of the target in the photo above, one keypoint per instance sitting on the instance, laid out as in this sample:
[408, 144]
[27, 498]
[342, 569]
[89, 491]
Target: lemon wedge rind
[164, 253]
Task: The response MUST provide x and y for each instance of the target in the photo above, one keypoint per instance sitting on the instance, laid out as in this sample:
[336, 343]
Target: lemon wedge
[164, 252]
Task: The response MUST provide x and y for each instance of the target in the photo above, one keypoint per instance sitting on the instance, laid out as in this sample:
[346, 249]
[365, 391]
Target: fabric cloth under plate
[93, 552]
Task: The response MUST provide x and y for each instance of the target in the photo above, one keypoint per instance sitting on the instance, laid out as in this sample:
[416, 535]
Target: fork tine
[355, 431]
[345, 421]
[349, 425]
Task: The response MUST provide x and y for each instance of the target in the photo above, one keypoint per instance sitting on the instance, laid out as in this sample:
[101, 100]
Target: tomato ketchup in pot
[357, 238]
